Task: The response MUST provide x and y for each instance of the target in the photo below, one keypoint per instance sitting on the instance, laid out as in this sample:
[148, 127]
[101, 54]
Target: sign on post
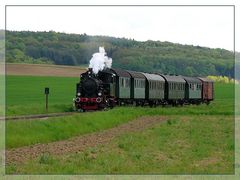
[46, 91]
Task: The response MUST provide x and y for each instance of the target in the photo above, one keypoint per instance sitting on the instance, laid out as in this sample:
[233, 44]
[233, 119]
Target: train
[111, 87]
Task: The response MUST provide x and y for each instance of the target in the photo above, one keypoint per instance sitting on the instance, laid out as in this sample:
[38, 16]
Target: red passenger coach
[207, 90]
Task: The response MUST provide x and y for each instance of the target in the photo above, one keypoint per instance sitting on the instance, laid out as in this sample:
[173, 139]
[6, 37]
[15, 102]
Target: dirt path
[80, 143]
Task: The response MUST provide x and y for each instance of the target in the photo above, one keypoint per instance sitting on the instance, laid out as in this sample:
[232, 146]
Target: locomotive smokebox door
[46, 90]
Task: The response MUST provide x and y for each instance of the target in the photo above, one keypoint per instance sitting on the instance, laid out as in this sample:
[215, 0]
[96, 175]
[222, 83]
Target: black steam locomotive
[115, 86]
[94, 91]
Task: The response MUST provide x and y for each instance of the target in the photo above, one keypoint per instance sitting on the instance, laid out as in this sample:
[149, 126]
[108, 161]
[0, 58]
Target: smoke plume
[100, 61]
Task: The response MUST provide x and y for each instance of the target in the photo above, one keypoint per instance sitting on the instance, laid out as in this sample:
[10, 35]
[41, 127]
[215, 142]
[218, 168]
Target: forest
[147, 56]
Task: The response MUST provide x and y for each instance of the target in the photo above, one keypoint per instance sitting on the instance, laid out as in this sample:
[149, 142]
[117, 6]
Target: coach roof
[153, 77]
[205, 79]
[121, 73]
[173, 78]
[191, 79]
[135, 74]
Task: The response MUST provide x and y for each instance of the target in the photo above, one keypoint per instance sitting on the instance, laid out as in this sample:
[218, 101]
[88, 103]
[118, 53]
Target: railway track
[37, 116]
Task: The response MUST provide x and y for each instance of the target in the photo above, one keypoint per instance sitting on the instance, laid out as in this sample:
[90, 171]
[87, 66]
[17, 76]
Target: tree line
[148, 56]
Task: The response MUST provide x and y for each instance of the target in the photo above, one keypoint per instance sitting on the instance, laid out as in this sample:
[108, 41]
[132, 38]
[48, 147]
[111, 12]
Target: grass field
[182, 145]
[25, 94]
[195, 139]
[21, 133]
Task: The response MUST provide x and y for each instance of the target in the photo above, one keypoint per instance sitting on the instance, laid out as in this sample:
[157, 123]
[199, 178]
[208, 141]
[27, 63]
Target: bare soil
[79, 143]
[44, 70]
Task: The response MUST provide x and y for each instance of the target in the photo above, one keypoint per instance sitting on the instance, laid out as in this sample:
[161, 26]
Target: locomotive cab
[108, 80]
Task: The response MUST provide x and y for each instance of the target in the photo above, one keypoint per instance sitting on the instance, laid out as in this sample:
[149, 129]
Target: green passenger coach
[154, 87]
[138, 82]
[174, 89]
[123, 79]
[193, 89]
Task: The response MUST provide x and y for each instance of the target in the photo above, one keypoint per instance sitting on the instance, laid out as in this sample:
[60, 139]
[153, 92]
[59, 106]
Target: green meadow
[196, 139]
[25, 94]
[24, 132]
[181, 145]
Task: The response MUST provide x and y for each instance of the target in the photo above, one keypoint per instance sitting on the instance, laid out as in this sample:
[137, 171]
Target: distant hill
[149, 56]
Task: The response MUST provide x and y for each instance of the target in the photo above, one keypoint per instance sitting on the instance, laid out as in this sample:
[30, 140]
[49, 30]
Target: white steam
[100, 61]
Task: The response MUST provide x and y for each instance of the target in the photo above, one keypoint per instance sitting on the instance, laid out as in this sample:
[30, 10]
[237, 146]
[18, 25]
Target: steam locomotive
[111, 87]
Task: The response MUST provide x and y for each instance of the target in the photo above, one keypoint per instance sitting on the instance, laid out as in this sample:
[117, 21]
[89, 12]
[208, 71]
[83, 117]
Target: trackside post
[46, 91]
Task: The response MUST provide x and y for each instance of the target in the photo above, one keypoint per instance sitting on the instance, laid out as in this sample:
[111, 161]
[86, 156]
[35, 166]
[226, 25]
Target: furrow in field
[80, 143]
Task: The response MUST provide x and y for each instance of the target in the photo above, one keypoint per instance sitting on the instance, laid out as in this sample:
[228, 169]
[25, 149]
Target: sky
[208, 26]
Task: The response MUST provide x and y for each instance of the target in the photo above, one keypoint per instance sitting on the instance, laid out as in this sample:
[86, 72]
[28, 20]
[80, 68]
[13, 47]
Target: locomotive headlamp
[79, 94]
[99, 94]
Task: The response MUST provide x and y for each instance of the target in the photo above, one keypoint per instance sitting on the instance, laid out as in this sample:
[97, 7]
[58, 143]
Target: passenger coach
[174, 89]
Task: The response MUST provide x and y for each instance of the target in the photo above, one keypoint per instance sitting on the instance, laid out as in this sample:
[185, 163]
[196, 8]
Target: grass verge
[183, 144]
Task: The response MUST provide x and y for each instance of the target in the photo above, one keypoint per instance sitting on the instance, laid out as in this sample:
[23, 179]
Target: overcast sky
[199, 25]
